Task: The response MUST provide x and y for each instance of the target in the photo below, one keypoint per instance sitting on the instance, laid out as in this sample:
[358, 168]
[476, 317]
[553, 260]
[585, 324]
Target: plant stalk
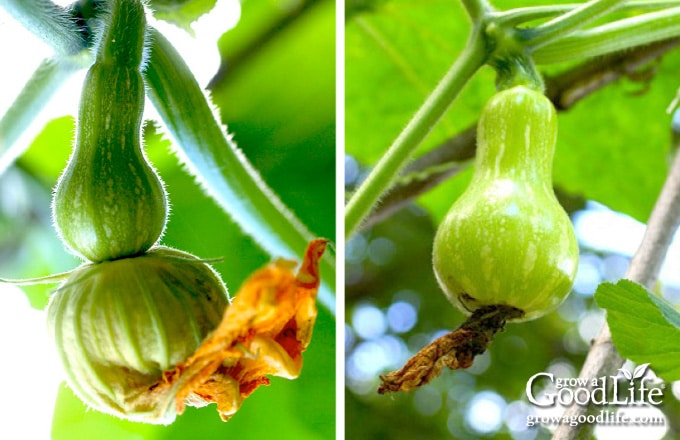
[476, 9]
[223, 170]
[613, 37]
[49, 22]
[517, 16]
[569, 22]
[379, 180]
[40, 88]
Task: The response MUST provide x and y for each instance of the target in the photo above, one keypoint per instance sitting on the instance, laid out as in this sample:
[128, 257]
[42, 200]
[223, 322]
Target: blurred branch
[564, 90]
[603, 359]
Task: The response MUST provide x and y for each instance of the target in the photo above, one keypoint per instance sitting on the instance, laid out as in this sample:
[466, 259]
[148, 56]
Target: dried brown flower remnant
[263, 333]
[454, 350]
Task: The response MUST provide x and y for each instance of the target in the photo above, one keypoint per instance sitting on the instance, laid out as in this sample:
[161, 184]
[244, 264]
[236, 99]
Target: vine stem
[569, 22]
[379, 180]
[221, 167]
[46, 80]
[476, 9]
[613, 37]
[517, 16]
[49, 22]
[603, 359]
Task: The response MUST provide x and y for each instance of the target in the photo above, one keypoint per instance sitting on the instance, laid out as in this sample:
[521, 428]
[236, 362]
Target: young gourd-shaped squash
[109, 203]
[506, 240]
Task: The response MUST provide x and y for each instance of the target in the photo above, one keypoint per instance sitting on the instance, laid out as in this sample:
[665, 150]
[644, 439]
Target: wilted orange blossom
[263, 333]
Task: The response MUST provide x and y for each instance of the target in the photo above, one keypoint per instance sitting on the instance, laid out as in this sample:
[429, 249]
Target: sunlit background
[380, 337]
[33, 356]
[29, 368]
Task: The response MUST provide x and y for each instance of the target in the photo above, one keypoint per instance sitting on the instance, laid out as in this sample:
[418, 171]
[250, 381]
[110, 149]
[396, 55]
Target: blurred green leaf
[645, 328]
[57, 138]
[396, 52]
[279, 103]
[72, 421]
[181, 12]
[609, 129]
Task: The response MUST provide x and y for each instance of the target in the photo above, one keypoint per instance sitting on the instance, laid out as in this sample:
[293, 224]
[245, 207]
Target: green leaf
[181, 12]
[608, 128]
[73, 421]
[57, 138]
[396, 52]
[669, 313]
[644, 327]
[278, 98]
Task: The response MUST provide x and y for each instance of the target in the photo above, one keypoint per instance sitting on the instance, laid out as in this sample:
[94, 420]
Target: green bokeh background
[276, 93]
[613, 148]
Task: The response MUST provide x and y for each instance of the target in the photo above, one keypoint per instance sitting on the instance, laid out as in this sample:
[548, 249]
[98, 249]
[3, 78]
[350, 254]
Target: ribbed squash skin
[118, 325]
[506, 240]
[109, 203]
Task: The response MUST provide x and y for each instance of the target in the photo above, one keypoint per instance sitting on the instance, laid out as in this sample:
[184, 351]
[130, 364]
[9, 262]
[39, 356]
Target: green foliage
[633, 144]
[279, 101]
[293, 147]
[396, 52]
[612, 148]
[650, 334]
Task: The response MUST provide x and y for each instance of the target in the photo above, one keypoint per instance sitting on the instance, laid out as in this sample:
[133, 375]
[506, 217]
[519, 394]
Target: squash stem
[519, 16]
[569, 22]
[477, 9]
[612, 37]
[222, 168]
[49, 22]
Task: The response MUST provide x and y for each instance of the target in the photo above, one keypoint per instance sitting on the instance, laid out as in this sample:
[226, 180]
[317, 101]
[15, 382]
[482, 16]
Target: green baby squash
[506, 240]
[109, 202]
[118, 325]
